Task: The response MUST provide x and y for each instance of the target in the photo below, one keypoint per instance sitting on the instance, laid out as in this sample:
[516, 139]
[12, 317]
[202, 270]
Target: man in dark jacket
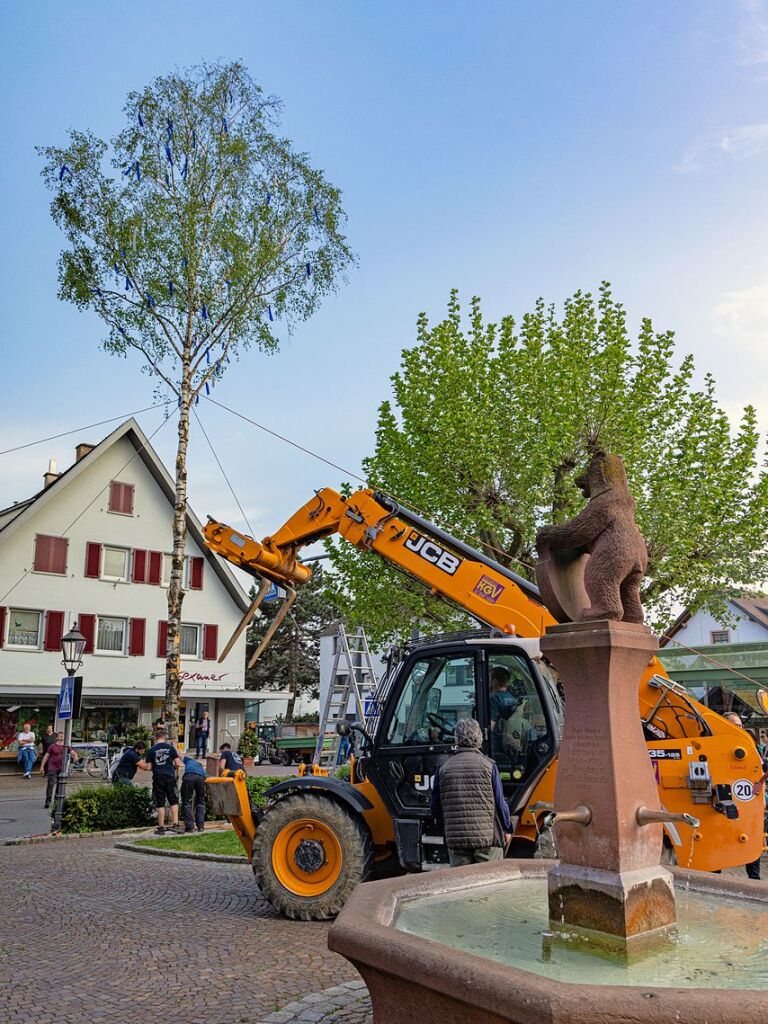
[468, 798]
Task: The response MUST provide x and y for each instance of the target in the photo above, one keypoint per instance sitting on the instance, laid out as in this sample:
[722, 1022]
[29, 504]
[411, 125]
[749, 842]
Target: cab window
[439, 691]
[518, 726]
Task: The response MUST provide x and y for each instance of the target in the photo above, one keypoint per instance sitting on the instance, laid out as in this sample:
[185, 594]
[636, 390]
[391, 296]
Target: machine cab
[501, 683]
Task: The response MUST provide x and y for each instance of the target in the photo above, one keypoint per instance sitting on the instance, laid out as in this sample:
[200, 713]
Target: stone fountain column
[608, 880]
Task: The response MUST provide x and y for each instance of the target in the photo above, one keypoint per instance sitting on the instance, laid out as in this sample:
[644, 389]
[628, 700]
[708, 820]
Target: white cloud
[739, 143]
[742, 316]
[752, 34]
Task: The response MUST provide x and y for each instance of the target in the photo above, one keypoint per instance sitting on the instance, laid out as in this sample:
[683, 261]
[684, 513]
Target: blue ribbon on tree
[169, 154]
[269, 198]
[170, 288]
[64, 170]
[128, 284]
[208, 355]
[269, 310]
[194, 139]
[167, 179]
[184, 169]
[169, 131]
[207, 389]
[224, 126]
[229, 287]
[309, 270]
[197, 399]
[184, 262]
[141, 119]
[317, 216]
[204, 312]
[151, 302]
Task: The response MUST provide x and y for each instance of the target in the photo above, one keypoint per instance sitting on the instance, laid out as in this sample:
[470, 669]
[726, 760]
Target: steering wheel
[446, 728]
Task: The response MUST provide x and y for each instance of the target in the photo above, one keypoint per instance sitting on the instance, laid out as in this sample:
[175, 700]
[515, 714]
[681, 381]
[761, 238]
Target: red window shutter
[195, 574]
[42, 552]
[54, 630]
[162, 638]
[136, 638]
[50, 554]
[59, 555]
[87, 626]
[2, 626]
[155, 567]
[121, 498]
[139, 566]
[92, 560]
[210, 643]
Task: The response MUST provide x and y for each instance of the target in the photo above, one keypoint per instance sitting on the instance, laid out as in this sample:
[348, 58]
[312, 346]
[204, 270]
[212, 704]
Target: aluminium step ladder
[352, 675]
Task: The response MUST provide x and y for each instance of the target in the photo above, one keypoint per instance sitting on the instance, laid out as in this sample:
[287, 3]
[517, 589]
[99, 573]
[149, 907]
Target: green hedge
[99, 808]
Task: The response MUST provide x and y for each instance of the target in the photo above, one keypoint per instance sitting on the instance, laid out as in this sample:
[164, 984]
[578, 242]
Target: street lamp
[72, 647]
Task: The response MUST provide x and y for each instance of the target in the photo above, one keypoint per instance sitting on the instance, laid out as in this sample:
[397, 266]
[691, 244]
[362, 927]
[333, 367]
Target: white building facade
[93, 547]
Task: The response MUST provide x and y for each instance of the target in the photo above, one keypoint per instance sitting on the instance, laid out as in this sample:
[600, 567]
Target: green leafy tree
[490, 421]
[291, 660]
[191, 235]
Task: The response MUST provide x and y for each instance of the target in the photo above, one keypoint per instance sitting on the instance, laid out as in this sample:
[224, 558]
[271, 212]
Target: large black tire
[285, 758]
[356, 858]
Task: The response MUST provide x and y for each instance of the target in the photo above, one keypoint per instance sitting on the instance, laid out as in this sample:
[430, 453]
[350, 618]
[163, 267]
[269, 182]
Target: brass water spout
[580, 815]
[645, 816]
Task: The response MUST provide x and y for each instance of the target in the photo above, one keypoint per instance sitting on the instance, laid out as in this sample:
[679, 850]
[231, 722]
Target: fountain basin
[387, 931]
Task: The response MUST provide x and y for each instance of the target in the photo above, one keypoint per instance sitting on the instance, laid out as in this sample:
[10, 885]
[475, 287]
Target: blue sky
[508, 149]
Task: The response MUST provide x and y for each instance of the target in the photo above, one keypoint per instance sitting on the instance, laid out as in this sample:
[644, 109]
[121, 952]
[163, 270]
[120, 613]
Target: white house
[93, 547]
[749, 625]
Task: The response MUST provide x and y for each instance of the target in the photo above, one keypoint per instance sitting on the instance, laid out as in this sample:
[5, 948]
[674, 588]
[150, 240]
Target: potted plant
[248, 747]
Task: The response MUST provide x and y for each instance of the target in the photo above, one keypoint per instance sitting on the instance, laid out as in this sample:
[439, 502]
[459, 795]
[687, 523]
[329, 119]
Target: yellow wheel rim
[307, 857]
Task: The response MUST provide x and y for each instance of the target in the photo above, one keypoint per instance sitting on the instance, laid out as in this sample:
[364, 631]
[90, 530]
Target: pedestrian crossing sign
[69, 698]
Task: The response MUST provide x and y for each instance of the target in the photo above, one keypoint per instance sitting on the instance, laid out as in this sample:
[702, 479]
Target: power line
[77, 430]
[223, 472]
[91, 502]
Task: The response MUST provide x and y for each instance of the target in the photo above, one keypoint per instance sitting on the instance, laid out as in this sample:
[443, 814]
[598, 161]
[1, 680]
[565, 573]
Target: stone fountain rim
[365, 934]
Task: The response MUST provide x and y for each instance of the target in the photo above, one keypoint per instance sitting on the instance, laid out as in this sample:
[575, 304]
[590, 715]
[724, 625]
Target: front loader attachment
[229, 797]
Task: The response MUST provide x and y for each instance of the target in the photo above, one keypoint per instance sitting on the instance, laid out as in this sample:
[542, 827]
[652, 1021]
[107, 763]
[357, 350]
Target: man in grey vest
[468, 798]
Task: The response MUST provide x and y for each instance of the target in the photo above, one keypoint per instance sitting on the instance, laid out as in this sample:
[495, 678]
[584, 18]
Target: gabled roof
[14, 516]
[755, 607]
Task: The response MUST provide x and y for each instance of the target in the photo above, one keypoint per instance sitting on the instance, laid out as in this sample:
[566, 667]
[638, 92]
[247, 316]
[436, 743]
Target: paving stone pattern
[92, 933]
[342, 1004]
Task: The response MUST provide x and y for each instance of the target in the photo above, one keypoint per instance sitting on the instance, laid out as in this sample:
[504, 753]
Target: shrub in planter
[248, 744]
[99, 808]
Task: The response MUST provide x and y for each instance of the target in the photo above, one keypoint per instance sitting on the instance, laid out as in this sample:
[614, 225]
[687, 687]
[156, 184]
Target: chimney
[82, 450]
[51, 475]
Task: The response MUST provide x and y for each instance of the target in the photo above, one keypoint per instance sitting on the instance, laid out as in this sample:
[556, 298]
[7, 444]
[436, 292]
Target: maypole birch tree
[193, 234]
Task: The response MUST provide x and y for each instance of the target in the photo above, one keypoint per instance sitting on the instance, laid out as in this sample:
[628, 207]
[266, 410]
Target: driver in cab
[468, 800]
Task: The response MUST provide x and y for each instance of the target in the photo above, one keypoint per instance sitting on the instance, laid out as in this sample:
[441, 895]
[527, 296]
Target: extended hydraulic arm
[466, 577]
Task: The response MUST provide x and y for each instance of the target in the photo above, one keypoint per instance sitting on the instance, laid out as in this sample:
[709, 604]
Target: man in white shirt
[27, 754]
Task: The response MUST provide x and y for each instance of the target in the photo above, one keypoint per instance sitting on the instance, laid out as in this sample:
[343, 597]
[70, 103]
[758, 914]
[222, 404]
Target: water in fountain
[720, 942]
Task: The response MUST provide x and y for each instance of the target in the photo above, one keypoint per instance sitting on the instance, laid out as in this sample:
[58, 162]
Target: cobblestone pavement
[97, 934]
[348, 1003]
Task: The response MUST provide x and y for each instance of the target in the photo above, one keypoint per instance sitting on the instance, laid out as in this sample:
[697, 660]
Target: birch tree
[193, 234]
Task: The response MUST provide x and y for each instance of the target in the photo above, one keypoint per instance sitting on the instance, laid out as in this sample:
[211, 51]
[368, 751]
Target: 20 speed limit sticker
[743, 790]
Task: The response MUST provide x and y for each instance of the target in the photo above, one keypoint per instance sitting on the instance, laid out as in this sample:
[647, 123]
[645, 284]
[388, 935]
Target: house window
[721, 636]
[167, 565]
[110, 635]
[50, 554]
[121, 498]
[114, 564]
[189, 641]
[23, 628]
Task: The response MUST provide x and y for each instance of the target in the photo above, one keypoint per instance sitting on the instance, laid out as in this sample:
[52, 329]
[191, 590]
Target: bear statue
[591, 567]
